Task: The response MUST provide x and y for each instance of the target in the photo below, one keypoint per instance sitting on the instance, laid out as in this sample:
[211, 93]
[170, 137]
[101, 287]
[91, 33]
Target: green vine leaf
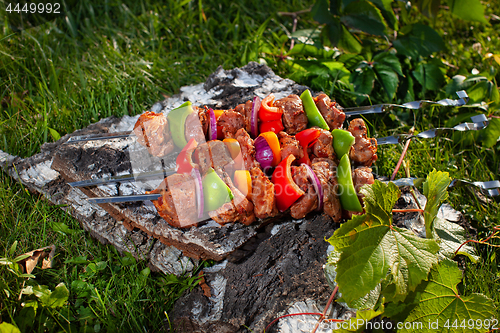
[470, 10]
[357, 324]
[8, 328]
[441, 303]
[451, 237]
[436, 191]
[371, 247]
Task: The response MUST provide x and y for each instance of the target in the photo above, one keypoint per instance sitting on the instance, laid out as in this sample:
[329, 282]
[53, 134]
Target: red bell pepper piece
[275, 126]
[183, 162]
[306, 138]
[267, 111]
[286, 190]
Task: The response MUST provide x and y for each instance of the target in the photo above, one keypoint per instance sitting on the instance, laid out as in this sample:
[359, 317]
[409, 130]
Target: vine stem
[405, 149]
[407, 210]
[496, 230]
[295, 20]
[321, 315]
[330, 300]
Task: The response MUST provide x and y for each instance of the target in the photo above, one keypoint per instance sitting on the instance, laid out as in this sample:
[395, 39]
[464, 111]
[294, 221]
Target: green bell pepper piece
[215, 191]
[342, 141]
[313, 115]
[348, 196]
[177, 123]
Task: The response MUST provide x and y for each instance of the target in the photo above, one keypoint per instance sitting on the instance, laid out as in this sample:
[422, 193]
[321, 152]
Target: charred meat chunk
[247, 149]
[294, 117]
[362, 176]
[213, 154]
[309, 201]
[194, 128]
[177, 204]
[246, 111]
[364, 150]
[152, 132]
[290, 146]
[263, 198]
[333, 115]
[325, 171]
[323, 146]
[202, 157]
[231, 122]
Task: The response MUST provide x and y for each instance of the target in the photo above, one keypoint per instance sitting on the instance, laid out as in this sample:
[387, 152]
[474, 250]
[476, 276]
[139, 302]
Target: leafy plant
[380, 268]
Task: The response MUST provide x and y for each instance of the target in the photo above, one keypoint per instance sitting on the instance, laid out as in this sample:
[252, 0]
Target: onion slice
[254, 119]
[263, 153]
[212, 127]
[199, 191]
[317, 185]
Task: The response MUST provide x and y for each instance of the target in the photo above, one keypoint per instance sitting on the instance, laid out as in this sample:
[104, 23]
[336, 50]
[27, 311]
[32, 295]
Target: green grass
[119, 57]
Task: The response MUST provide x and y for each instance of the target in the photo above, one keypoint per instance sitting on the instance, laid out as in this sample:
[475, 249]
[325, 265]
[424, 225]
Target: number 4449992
[33, 8]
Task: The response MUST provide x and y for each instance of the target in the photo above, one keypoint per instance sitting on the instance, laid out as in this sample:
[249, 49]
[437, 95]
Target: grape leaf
[471, 10]
[451, 236]
[366, 302]
[357, 324]
[8, 328]
[371, 247]
[441, 303]
[436, 191]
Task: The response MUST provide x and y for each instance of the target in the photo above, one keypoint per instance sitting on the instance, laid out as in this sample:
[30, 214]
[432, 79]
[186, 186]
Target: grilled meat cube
[177, 205]
[243, 206]
[333, 115]
[202, 157]
[262, 196]
[309, 201]
[220, 156]
[246, 111]
[227, 213]
[194, 128]
[247, 149]
[323, 146]
[203, 116]
[325, 171]
[231, 122]
[362, 176]
[364, 150]
[213, 154]
[294, 117]
[152, 131]
[290, 146]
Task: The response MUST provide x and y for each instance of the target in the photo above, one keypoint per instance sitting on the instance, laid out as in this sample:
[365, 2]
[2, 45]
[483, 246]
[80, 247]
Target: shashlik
[187, 197]
[179, 203]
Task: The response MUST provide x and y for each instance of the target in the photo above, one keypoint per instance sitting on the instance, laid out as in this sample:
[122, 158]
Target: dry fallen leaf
[29, 263]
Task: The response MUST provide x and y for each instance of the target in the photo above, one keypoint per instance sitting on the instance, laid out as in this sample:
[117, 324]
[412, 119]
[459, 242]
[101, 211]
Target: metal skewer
[492, 188]
[124, 178]
[124, 198]
[97, 137]
[479, 122]
[353, 111]
[379, 108]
